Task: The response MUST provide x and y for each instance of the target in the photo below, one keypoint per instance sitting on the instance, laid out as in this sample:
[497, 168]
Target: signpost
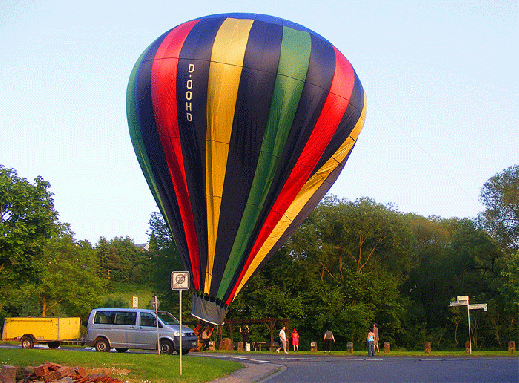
[155, 305]
[180, 281]
[463, 300]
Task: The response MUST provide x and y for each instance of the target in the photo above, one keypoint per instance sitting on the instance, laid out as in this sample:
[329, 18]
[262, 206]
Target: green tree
[27, 222]
[122, 261]
[454, 257]
[69, 283]
[500, 195]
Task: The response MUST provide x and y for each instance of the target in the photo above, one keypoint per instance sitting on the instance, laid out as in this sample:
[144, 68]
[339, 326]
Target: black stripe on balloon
[192, 80]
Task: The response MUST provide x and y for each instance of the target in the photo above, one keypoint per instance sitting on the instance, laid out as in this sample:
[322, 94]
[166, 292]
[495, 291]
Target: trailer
[52, 331]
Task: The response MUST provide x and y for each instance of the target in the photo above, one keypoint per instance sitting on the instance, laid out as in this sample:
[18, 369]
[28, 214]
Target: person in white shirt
[283, 340]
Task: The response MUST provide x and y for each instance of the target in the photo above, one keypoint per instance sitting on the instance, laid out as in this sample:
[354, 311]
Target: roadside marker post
[180, 281]
[463, 300]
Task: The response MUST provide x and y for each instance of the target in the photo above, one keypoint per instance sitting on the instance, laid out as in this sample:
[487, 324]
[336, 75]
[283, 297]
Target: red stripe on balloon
[164, 96]
[333, 110]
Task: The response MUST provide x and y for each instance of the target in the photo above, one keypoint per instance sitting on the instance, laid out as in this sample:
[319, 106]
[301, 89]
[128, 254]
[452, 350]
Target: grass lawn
[150, 368]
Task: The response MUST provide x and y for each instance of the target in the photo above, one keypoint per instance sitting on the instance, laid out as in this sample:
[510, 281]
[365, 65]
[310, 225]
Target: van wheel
[121, 349]
[102, 345]
[27, 341]
[166, 346]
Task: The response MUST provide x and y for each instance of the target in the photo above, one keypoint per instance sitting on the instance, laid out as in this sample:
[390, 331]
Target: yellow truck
[51, 331]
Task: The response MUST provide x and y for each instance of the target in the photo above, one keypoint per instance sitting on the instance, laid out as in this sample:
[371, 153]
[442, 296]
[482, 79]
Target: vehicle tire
[53, 344]
[166, 346]
[121, 349]
[27, 341]
[102, 345]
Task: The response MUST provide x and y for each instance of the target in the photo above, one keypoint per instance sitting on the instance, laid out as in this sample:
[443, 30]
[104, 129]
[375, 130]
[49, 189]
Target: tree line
[350, 264]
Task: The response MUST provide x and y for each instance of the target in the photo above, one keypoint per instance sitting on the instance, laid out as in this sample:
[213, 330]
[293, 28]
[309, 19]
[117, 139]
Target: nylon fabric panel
[252, 107]
[154, 150]
[224, 78]
[163, 89]
[329, 119]
[292, 68]
[307, 191]
[192, 80]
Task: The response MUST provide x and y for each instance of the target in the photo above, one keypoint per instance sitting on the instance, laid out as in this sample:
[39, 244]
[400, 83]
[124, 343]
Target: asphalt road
[319, 368]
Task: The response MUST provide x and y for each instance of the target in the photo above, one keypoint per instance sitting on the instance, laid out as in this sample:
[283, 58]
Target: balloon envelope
[241, 123]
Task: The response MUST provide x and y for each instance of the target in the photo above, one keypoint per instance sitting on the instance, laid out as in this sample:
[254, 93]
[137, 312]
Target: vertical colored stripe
[224, 79]
[163, 89]
[329, 119]
[292, 69]
[192, 80]
[304, 195]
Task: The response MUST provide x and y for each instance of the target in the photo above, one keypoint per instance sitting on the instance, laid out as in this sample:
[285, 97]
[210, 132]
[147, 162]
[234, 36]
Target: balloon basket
[209, 309]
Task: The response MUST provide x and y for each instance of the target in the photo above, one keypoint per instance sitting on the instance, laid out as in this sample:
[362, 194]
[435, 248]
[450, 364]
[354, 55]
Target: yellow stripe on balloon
[304, 195]
[224, 78]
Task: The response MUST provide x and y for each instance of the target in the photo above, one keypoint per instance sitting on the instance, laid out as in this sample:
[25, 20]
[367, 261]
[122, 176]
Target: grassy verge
[148, 368]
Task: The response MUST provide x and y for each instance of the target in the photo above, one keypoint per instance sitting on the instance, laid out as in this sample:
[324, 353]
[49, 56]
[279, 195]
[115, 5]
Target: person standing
[283, 340]
[245, 336]
[328, 340]
[206, 336]
[295, 340]
[371, 342]
[375, 331]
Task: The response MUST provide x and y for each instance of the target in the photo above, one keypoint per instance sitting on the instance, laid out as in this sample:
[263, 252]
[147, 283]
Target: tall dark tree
[122, 261]
[500, 195]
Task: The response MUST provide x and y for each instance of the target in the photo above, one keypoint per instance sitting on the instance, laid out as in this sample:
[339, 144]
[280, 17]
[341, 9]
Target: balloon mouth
[209, 309]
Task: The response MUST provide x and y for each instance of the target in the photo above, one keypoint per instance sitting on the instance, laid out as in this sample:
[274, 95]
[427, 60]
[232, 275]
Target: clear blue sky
[441, 79]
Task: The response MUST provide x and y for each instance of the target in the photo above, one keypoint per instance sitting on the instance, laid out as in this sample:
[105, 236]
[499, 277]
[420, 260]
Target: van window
[148, 319]
[167, 318]
[104, 317]
[125, 318]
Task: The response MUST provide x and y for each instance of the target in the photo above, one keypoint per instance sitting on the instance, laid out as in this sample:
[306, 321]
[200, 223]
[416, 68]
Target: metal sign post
[155, 305]
[180, 281]
[463, 300]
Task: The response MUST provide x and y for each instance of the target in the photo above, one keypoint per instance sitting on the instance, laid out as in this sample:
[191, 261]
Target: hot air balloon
[241, 123]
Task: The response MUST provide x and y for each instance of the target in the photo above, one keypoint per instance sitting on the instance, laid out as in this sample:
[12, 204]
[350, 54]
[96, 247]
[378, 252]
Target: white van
[137, 328]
